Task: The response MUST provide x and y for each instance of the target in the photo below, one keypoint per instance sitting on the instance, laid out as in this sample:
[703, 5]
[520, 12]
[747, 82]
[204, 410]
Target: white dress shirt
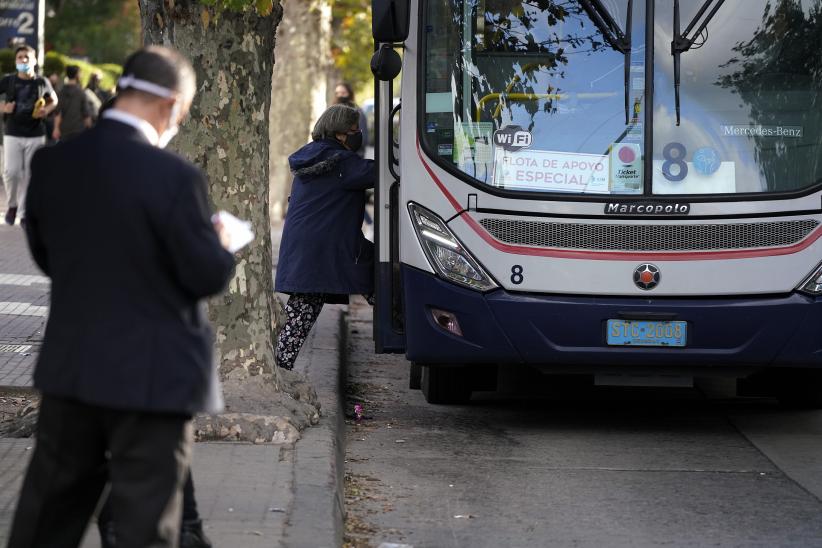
[135, 122]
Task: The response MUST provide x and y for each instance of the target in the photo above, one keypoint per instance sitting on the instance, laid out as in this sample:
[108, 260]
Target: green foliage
[352, 44]
[56, 63]
[109, 72]
[104, 31]
[6, 61]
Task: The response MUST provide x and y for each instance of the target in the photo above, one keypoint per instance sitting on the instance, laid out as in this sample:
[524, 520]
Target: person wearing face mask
[324, 256]
[29, 100]
[127, 355]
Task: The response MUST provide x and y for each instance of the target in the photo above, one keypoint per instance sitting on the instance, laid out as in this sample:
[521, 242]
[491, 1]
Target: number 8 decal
[516, 275]
[674, 154]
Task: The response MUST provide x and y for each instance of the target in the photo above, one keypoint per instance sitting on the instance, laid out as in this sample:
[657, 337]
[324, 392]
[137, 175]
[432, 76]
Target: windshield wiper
[616, 38]
[682, 42]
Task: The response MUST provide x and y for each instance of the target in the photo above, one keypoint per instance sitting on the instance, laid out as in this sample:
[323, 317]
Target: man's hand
[225, 238]
[56, 134]
[8, 108]
[39, 114]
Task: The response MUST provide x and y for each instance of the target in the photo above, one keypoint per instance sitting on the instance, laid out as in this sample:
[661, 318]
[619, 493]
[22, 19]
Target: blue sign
[21, 21]
[706, 160]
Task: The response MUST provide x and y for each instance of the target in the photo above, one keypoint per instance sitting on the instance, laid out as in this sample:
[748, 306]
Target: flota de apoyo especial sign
[550, 171]
[517, 166]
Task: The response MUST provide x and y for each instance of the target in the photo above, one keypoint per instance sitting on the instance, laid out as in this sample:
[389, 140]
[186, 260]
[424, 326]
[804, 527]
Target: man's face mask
[172, 128]
[23, 67]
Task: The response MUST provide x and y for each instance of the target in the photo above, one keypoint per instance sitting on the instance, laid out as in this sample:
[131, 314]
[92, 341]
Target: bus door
[390, 27]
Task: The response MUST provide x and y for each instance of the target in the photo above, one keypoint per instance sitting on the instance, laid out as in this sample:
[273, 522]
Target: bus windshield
[550, 96]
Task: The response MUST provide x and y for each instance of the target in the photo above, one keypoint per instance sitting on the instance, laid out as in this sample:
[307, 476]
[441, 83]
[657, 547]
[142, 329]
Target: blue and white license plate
[646, 333]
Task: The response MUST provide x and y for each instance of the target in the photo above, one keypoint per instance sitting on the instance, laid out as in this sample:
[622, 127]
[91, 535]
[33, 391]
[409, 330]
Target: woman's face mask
[354, 141]
[23, 67]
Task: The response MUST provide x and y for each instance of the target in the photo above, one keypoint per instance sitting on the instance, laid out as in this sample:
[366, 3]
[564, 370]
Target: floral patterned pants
[301, 310]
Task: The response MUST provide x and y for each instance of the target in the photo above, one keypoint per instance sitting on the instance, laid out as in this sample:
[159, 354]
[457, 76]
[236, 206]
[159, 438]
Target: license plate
[646, 333]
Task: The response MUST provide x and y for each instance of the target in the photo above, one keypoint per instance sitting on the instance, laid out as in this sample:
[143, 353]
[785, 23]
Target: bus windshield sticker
[512, 138]
[551, 171]
[472, 143]
[626, 168]
[439, 102]
[702, 172]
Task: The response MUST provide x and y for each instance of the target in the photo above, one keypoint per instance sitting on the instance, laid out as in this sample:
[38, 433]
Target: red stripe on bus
[614, 255]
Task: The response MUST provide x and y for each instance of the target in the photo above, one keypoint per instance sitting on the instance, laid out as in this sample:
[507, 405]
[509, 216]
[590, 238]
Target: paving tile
[24, 300]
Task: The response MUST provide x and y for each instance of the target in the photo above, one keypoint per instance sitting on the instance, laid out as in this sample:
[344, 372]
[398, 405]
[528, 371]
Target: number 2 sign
[21, 21]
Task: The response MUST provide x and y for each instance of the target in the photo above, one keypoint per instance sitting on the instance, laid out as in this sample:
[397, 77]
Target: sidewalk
[24, 295]
[248, 495]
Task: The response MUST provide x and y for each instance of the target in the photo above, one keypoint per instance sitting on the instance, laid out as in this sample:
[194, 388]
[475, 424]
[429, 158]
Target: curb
[30, 390]
[316, 517]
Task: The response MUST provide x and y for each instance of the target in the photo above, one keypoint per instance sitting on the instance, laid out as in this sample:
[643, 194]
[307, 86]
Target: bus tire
[445, 385]
[800, 388]
[415, 376]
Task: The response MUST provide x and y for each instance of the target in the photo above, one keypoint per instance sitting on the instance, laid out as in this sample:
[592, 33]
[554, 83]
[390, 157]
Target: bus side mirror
[386, 63]
[390, 20]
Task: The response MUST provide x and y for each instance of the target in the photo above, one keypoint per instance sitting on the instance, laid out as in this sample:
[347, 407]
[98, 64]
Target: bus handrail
[518, 97]
[393, 161]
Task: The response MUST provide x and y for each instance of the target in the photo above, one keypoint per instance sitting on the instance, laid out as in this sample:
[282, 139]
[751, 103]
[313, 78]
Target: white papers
[239, 231]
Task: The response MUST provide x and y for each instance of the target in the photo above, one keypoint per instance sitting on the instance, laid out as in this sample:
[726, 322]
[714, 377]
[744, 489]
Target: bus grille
[638, 237]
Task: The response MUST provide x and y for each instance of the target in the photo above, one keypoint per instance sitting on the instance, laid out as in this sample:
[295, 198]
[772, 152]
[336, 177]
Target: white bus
[625, 189]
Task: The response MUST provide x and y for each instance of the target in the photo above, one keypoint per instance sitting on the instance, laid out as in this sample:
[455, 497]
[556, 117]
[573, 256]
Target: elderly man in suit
[127, 351]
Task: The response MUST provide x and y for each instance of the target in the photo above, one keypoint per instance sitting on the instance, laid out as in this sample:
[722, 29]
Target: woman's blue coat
[322, 248]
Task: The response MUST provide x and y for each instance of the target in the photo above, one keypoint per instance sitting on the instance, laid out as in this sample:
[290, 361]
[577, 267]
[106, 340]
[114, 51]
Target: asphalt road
[549, 466]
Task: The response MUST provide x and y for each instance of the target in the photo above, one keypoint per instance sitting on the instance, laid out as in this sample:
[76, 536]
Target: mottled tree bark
[299, 88]
[227, 135]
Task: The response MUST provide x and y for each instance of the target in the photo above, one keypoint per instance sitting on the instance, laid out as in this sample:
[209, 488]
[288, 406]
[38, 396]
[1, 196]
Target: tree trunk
[299, 89]
[227, 135]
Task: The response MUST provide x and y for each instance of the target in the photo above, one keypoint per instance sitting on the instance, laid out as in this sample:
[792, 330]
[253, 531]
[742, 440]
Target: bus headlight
[813, 284]
[445, 253]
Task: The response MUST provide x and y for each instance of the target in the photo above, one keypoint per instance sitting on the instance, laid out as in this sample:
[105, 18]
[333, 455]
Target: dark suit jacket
[123, 229]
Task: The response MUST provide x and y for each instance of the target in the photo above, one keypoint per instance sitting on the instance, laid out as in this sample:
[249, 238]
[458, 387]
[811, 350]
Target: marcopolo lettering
[646, 208]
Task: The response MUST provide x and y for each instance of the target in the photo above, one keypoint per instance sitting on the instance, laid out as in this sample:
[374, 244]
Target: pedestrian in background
[344, 95]
[56, 81]
[324, 256]
[95, 86]
[127, 355]
[95, 105]
[74, 113]
[29, 99]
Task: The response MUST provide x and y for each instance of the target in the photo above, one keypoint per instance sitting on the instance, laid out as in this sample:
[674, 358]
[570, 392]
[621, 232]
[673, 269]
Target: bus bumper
[550, 331]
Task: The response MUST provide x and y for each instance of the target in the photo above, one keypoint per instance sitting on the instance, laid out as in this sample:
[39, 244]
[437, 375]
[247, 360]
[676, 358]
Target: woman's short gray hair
[336, 119]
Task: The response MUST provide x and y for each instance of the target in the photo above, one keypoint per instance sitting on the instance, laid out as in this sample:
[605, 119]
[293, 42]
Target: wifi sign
[512, 138]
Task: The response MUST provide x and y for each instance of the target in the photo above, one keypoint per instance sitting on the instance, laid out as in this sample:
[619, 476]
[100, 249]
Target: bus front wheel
[446, 385]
